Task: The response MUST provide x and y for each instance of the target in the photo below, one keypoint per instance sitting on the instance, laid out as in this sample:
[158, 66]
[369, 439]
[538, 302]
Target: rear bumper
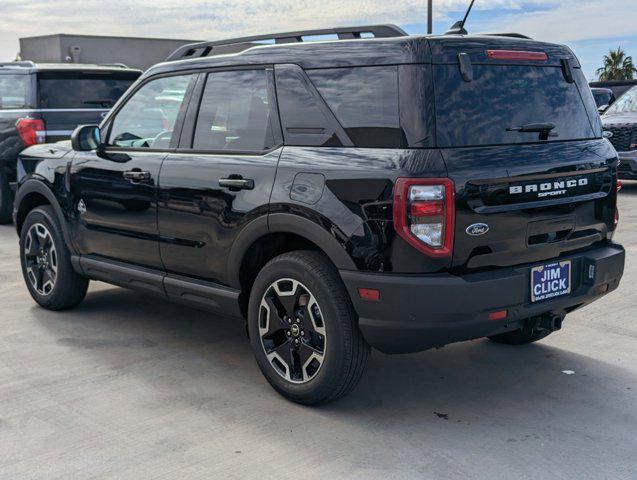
[628, 165]
[416, 313]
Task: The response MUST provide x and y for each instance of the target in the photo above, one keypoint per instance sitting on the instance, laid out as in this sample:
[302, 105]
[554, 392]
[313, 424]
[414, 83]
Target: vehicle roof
[27, 67]
[369, 52]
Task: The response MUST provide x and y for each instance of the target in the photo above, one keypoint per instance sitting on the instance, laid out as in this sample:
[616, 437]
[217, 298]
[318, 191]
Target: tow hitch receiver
[549, 322]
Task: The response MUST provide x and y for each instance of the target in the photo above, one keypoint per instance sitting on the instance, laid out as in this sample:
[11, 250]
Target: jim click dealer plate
[550, 281]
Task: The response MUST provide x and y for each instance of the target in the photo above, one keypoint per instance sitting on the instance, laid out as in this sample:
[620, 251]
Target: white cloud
[573, 20]
[212, 19]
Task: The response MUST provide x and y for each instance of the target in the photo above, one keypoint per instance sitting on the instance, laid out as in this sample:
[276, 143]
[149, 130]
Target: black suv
[399, 192]
[42, 103]
[621, 120]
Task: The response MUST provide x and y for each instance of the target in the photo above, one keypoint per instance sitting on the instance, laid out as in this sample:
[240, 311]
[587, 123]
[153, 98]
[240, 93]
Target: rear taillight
[31, 130]
[424, 214]
[517, 55]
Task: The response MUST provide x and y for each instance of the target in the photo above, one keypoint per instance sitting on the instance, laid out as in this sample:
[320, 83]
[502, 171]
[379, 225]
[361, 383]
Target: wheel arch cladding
[257, 245]
[33, 194]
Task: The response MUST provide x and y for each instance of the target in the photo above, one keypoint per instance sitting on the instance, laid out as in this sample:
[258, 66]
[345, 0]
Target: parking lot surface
[130, 386]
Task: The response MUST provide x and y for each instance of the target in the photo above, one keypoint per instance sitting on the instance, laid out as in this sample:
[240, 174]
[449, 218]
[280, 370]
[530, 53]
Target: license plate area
[551, 281]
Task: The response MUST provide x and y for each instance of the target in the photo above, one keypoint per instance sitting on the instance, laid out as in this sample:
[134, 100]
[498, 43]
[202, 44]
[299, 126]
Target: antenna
[458, 27]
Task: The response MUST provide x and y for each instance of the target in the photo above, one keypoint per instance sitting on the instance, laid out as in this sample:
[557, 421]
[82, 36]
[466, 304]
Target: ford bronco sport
[396, 192]
[44, 102]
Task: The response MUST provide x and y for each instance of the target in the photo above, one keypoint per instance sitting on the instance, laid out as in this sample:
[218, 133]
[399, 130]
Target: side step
[193, 292]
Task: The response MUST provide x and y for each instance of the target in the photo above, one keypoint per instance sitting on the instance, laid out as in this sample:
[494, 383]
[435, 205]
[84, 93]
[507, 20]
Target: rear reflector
[369, 294]
[517, 55]
[499, 315]
[31, 131]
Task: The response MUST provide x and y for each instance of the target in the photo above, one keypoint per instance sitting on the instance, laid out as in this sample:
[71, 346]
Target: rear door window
[81, 89]
[14, 91]
[235, 113]
[502, 97]
[364, 101]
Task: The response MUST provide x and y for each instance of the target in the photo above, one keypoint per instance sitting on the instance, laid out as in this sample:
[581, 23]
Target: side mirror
[602, 108]
[86, 138]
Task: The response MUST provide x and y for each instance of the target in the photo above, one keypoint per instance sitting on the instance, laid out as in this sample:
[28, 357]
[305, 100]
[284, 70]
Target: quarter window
[364, 101]
[148, 117]
[235, 113]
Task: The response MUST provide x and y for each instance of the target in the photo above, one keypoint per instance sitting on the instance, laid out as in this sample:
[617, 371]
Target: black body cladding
[303, 168]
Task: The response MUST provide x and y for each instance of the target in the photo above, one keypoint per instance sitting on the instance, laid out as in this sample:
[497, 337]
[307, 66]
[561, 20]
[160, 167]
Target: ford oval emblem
[477, 229]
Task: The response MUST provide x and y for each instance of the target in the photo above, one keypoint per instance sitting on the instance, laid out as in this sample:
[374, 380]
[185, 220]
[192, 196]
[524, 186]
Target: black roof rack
[235, 45]
[114, 65]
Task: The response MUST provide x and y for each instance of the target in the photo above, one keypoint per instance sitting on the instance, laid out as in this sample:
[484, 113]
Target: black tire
[522, 336]
[69, 288]
[6, 200]
[345, 352]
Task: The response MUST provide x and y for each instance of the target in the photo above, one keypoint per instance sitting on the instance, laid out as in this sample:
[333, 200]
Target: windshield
[508, 104]
[82, 90]
[626, 103]
[13, 91]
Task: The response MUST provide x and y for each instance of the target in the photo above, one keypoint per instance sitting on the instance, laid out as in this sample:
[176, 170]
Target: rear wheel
[6, 199]
[522, 336]
[303, 329]
[46, 262]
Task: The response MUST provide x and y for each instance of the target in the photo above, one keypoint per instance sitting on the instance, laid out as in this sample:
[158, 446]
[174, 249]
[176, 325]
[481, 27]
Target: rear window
[14, 91]
[365, 102]
[504, 97]
[82, 90]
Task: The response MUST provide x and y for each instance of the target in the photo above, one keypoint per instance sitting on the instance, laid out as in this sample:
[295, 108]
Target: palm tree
[617, 66]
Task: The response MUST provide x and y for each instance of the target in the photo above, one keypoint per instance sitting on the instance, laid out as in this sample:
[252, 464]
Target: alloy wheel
[292, 330]
[40, 257]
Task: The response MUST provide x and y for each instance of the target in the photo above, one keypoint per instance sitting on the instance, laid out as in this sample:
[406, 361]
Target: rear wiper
[544, 129]
[102, 103]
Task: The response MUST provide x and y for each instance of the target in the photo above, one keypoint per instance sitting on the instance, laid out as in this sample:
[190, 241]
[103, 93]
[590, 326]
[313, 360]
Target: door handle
[136, 175]
[236, 183]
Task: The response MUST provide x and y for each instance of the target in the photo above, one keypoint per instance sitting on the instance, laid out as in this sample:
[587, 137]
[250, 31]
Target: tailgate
[528, 203]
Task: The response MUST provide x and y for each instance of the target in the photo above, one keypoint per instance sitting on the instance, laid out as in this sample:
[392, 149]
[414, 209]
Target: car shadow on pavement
[465, 383]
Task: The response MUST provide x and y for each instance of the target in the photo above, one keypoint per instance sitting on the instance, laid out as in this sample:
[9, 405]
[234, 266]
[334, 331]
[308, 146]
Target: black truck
[42, 103]
[397, 192]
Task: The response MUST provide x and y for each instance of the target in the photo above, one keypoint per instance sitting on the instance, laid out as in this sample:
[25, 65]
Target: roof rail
[235, 45]
[20, 63]
[512, 34]
[116, 65]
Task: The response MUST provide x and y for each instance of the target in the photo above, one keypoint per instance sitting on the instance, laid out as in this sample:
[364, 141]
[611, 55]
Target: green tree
[617, 66]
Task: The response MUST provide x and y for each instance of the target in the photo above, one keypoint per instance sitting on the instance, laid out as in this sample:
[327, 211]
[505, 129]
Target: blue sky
[590, 27]
[590, 45]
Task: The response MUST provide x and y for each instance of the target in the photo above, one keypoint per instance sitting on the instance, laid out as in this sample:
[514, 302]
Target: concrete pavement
[133, 387]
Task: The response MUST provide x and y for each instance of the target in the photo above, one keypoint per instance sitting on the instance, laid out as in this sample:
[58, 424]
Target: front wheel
[303, 329]
[46, 262]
